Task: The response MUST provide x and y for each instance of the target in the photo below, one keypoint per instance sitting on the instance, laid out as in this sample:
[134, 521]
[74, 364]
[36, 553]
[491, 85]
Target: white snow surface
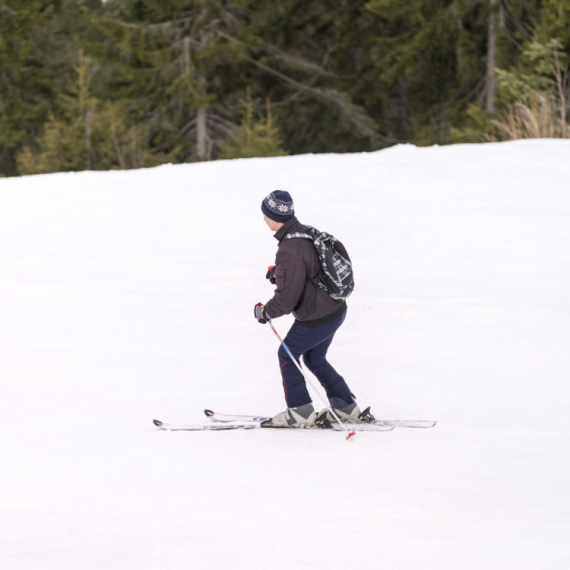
[128, 296]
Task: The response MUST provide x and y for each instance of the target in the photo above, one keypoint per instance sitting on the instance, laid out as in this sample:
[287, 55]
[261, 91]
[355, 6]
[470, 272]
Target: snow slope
[128, 296]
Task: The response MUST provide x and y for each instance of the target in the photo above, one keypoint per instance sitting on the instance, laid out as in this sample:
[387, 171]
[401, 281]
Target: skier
[317, 318]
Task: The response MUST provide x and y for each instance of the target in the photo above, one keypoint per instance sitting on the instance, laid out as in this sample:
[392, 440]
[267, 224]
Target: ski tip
[350, 435]
[157, 423]
[209, 413]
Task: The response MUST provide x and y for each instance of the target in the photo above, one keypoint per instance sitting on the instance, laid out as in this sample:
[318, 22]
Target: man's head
[273, 226]
[277, 209]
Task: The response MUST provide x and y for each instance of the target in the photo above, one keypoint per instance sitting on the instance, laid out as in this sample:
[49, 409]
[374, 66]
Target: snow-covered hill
[128, 296]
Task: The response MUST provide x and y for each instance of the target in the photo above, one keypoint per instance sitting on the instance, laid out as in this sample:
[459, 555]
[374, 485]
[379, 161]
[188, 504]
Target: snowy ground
[128, 296]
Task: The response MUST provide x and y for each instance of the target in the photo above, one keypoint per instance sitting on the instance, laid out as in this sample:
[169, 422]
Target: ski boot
[302, 416]
[346, 413]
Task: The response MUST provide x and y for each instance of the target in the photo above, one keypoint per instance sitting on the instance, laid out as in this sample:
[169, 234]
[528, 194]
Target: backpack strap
[315, 280]
[298, 235]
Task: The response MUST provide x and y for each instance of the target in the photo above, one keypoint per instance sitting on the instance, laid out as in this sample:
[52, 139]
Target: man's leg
[294, 385]
[300, 340]
[333, 383]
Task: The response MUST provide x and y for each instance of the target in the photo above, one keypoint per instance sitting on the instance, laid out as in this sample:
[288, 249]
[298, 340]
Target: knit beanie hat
[278, 206]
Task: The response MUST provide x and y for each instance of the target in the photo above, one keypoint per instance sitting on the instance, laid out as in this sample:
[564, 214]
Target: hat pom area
[278, 206]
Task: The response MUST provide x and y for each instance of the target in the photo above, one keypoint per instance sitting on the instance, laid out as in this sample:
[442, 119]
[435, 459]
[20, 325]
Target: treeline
[91, 84]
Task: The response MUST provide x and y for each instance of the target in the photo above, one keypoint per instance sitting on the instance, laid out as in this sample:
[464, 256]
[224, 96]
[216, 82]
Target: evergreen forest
[121, 84]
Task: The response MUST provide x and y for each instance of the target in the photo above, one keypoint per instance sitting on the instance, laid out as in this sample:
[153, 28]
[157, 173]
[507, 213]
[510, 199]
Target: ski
[407, 423]
[203, 427]
[224, 418]
[256, 424]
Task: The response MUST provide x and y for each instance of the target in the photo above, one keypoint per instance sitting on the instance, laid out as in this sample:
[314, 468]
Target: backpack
[336, 276]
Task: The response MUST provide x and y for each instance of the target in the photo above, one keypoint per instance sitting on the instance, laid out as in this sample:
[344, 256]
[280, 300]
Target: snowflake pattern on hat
[279, 206]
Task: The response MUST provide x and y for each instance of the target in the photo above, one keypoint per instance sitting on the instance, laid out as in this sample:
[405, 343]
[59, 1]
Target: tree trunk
[120, 158]
[201, 134]
[201, 126]
[88, 130]
[187, 60]
[491, 79]
[560, 81]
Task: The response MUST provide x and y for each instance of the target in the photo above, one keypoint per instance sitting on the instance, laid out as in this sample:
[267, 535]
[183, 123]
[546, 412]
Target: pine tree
[85, 134]
[36, 40]
[254, 137]
[198, 57]
[67, 141]
[535, 94]
[555, 22]
[441, 55]
[318, 71]
[178, 70]
[25, 88]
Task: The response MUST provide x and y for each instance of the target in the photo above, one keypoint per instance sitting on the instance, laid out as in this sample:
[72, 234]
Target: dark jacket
[296, 265]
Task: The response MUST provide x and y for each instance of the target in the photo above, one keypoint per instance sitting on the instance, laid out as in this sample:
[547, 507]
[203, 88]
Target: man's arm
[291, 276]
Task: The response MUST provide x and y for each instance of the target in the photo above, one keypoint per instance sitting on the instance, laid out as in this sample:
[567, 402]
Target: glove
[260, 314]
[270, 275]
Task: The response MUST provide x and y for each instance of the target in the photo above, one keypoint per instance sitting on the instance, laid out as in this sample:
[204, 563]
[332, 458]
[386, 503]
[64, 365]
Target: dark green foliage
[26, 80]
[555, 22]
[164, 80]
[84, 133]
[324, 45]
[176, 71]
[38, 49]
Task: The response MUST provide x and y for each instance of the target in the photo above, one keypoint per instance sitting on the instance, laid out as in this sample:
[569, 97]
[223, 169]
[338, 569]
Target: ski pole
[329, 408]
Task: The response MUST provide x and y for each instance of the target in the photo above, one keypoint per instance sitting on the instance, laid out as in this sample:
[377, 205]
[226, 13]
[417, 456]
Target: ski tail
[233, 417]
[204, 427]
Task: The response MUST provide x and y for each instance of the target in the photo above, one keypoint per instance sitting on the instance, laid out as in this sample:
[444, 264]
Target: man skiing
[317, 318]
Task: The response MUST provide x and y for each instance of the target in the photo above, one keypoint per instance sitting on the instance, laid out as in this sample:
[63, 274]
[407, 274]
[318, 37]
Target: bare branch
[4, 8]
[298, 62]
[153, 28]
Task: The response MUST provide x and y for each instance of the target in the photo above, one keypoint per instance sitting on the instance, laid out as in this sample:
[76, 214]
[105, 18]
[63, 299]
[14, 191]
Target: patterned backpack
[336, 276]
